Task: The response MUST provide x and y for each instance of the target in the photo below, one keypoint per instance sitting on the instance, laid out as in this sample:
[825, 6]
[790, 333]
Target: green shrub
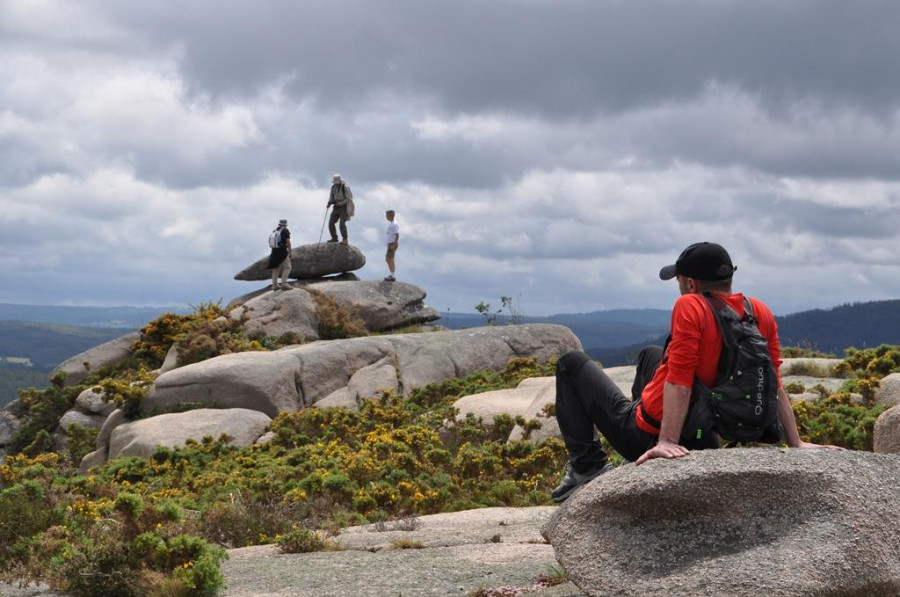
[299, 540]
[81, 441]
[25, 511]
[43, 410]
[794, 388]
[243, 521]
[837, 420]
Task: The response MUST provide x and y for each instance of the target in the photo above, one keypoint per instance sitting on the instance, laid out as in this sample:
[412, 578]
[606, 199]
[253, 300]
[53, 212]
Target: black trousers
[586, 397]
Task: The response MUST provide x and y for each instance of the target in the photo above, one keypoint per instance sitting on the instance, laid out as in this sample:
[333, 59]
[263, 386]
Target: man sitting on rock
[649, 424]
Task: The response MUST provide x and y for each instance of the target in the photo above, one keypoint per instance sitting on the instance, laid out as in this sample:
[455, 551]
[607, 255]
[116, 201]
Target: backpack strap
[725, 316]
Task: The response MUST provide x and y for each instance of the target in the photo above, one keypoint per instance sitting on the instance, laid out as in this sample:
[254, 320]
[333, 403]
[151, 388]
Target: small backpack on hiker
[742, 406]
[275, 239]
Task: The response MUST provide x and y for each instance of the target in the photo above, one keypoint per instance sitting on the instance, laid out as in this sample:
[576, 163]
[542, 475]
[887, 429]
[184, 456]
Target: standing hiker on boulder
[652, 422]
[393, 239]
[280, 257]
[342, 200]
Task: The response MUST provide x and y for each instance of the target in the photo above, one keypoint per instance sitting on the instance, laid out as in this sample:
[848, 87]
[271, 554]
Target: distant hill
[860, 325]
[102, 317]
[49, 344]
[599, 329]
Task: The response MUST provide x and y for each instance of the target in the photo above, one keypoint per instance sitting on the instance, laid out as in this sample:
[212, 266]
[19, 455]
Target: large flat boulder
[140, 438]
[738, 522]
[381, 305]
[310, 261]
[109, 353]
[280, 312]
[301, 376]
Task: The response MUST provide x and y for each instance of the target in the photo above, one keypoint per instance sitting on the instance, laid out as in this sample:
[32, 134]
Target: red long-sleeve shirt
[695, 348]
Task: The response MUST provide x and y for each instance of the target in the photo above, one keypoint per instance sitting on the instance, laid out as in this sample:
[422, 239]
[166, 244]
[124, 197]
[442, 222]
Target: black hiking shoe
[572, 480]
[331, 240]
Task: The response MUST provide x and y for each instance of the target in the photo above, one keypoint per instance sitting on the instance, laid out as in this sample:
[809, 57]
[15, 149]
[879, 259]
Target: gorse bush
[867, 367]
[207, 332]
[837, 420]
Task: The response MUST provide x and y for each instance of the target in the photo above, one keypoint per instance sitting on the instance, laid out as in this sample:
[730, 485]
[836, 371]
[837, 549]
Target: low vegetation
[159, 526]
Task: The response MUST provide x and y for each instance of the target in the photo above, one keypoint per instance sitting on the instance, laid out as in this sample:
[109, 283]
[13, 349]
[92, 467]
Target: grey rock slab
[171, 360]
[535, 410]
[140, 438]
[434, 356]
[79, 418]
[310, 261]
[483, 525]
[263, 381]
[487, 405]
[240, 300]
[108, 353]
[459, 555]
[95, 458]
[91, 402]
[297, 377]
[115, 418]
[888, 391]
[738, 522]
[381, 305]
[886, 437]
[279, 312]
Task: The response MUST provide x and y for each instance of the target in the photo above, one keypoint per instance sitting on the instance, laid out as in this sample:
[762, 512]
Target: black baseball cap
[702, 261]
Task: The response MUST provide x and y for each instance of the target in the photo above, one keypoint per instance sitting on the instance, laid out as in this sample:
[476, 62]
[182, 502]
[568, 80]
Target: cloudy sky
[560, 151]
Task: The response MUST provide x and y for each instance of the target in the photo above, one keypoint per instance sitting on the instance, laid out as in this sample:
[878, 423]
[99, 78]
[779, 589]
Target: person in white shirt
[393, 237]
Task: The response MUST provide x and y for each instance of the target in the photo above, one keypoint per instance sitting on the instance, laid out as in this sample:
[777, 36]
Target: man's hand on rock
[812, 446]
[663, 449]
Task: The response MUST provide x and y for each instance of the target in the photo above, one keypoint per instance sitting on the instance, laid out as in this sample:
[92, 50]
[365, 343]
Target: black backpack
[743, 404]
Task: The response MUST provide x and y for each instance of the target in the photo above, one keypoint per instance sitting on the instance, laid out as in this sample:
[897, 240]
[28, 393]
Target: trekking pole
[322, 231]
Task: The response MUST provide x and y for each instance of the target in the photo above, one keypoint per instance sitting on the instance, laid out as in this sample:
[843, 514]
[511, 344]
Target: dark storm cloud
[555, 59]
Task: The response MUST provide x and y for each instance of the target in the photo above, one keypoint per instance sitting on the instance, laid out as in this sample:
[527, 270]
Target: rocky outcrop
[888, 391]
[108, 353]
[886, 436]
[240, 300]
[349, 371]
[278, 313]
[310, 261]
[381, 305]
[489, 551]
[140, 438]
[488, 405]
[739, 522]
